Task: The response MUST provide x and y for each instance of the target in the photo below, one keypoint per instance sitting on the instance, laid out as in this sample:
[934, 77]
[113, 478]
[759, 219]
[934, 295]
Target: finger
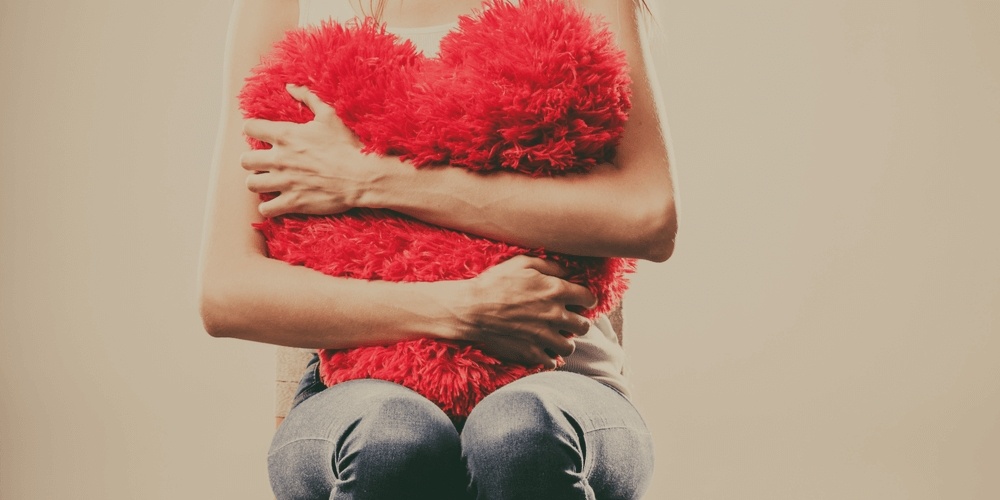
[575, 295]
[541, 359]
[556, 344]
[320, 109]
[571, 323]
[266, 130]
[258, 160]
[266, 182]
[550, 363]
[541, 265]
[529, 354]
[282, 204]
[559, 360]
[548, 359]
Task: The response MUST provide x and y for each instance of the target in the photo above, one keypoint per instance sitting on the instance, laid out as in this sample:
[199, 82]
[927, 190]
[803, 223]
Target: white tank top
[598, 354]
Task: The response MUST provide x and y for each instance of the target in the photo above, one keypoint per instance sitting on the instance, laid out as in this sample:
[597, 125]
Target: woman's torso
[598, 354]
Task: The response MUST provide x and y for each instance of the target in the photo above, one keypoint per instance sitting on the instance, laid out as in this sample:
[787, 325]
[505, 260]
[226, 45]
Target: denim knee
[301, 470]
[390, 443]
[399, 433]
[518, 443]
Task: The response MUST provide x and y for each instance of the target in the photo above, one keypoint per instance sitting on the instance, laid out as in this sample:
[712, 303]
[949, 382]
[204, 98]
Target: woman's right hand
[519, 311]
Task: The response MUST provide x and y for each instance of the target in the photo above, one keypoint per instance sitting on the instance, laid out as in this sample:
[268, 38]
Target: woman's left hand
[316, 167]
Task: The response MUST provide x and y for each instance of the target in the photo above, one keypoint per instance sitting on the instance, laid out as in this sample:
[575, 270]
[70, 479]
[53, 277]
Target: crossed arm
[517, 309]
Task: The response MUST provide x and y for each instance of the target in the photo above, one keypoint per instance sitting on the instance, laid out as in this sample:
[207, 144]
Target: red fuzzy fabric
[539, 88]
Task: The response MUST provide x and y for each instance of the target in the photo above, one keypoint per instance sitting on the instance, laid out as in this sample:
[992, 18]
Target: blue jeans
[552, 435]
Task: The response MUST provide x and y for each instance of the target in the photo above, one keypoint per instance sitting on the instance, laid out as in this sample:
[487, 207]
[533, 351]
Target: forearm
[265, 300]
[607, 212]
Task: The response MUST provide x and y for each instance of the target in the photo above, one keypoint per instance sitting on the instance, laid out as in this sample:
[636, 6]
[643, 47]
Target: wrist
[453, 301]
[383, 175]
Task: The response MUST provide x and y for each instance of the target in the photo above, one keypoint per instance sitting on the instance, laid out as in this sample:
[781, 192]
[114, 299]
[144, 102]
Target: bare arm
[246, 295]
[624, 209]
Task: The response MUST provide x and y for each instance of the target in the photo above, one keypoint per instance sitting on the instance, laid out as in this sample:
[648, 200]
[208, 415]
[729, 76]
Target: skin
[519, 311]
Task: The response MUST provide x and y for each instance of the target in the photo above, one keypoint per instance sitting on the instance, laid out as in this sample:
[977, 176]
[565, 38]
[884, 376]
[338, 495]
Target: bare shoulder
[623, 18]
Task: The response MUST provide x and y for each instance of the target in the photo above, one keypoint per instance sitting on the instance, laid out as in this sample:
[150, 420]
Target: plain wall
[828, 328]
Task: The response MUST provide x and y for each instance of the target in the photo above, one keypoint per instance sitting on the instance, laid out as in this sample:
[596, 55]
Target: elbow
[659, 231]
[211, 315]
[213, 302]
[226, 302]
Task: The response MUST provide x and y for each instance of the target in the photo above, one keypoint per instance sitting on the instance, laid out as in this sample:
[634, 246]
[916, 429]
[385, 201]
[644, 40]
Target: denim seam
[296, 440]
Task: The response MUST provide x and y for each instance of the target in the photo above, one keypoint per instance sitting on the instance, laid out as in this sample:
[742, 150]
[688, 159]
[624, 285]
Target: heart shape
[539, 88]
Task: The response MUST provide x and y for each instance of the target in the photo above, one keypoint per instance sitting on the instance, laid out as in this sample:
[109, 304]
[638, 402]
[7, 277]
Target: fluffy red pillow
[538, 88]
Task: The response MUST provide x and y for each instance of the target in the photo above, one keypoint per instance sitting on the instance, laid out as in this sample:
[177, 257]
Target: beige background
[828, 328]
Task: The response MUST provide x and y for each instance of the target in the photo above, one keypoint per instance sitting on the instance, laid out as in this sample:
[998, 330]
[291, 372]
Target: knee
[300, 469]
[403, 447]
[400, 432]
[518, 425]
[364, 436]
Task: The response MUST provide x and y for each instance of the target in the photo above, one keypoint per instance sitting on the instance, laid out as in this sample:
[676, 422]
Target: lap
[609, 444]
[592, 404]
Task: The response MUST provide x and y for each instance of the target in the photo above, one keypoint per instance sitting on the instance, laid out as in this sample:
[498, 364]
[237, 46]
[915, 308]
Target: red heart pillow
[539, 88]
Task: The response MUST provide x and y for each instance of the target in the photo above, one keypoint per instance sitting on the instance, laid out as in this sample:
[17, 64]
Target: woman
[569, 433]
